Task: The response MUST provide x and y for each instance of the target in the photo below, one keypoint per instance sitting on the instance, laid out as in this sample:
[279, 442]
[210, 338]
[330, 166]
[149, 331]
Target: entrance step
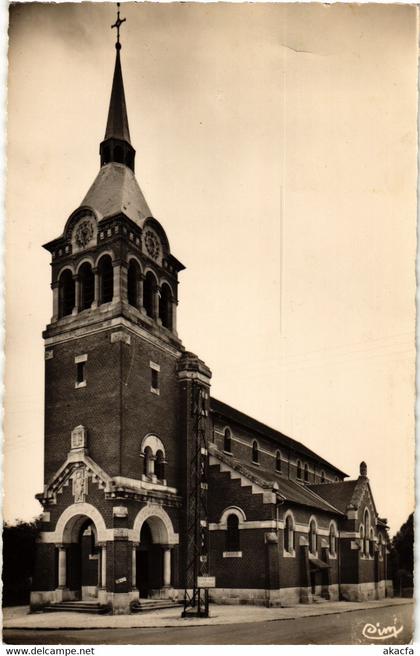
[147, 605]
[75, 607]
[317, 599]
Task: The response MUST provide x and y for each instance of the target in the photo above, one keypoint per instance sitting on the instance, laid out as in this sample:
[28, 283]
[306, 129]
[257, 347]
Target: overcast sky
[277, 146]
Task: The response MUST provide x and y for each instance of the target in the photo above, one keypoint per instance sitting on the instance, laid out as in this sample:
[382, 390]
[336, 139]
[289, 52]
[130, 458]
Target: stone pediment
[79, 471]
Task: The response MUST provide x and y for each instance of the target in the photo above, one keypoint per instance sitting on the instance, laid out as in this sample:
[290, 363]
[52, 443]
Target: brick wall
[96, 406]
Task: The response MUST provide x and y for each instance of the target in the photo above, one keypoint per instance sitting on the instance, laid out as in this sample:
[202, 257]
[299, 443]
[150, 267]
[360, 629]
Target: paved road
[337, 629]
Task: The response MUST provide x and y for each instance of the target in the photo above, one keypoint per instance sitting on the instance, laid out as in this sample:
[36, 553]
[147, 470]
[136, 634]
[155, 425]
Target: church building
[132, 499]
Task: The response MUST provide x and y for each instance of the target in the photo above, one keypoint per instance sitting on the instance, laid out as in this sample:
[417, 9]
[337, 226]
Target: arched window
[332, 539]
[66, 293]
[289, 535]
[366, 525]
[232, 533]
[299, 469]
[165, 306]
[312, 537]
[227, 441]
[153, 452]
[278, 461]
[149, 293]
[306, 472]
[371, 543]
[106, 279]
[362, 539]
[87, 286]
[255, 452]
[160, 465]
[149, 462]
[133, 277]
[322, 476]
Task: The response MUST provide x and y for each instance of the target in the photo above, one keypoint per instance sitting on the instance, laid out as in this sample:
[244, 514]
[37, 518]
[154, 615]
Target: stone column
[134, 565]
[96, 299]
[62, 566]
[174, 308]
[103, 565]
[167, 566]
[120, 281]
[56, 301]
[156, 297]
[77, 294]
[140, 292]
[117, 281]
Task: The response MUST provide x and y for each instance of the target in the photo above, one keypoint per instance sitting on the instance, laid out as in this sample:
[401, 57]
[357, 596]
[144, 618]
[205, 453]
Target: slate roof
[347, 494]
[340, 494]
[115, 190]
[287, 489]
[279, 438]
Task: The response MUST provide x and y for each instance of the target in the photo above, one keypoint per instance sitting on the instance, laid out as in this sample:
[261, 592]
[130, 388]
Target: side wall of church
[249, 569]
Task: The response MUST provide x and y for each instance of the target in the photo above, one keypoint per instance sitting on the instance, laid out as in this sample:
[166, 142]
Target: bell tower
[116, 379]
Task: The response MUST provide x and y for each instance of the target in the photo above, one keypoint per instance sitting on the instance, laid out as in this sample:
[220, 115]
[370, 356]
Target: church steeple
[116, 146]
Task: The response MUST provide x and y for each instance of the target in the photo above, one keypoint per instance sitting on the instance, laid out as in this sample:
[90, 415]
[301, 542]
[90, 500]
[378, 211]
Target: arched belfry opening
[106, 279]
[133, 284]
[150, 291]
[165, 306]
[67, 296]
[87, 286]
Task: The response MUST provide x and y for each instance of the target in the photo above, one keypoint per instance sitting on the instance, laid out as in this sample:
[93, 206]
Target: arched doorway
[81, 557]
[153, 559]
[154, 539]
[83, 561]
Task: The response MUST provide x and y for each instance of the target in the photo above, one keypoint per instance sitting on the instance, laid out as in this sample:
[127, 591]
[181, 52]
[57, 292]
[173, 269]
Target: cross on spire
[118, 24]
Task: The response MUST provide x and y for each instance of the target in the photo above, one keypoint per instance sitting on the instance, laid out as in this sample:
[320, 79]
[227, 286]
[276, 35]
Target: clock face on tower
[152, 244]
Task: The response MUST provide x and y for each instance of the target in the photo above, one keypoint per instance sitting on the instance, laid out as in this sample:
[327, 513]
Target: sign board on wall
[206, 581]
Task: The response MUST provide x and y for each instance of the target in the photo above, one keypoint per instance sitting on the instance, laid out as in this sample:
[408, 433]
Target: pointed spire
[117, 124]
[116, 146]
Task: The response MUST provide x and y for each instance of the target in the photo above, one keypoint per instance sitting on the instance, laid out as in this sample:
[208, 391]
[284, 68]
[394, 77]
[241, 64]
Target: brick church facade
[283, 525]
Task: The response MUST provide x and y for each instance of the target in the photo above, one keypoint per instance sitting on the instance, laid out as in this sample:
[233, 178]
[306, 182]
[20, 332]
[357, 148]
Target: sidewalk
[19, 617]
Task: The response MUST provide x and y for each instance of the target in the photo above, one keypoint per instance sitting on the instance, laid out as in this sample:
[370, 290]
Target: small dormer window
[278, 461]
[299, 469]
[306, 473]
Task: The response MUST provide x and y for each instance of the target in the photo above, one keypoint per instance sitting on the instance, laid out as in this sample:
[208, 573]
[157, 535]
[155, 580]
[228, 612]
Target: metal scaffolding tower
[196, 597]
